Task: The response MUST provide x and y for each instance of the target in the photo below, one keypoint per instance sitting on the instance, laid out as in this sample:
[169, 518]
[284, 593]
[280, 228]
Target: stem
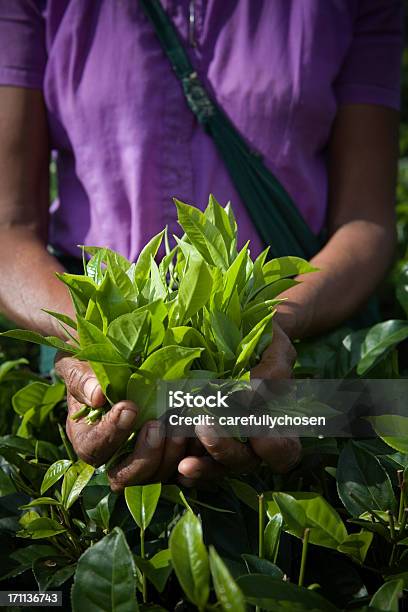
[393, 538]
[84, 411]
[392, 525]
[94, 415]
[118, 452]
[66, 443]
[143, 555]
[392, 556]
[401, 483]
[305, 540]
[403, 520]
[261, 526]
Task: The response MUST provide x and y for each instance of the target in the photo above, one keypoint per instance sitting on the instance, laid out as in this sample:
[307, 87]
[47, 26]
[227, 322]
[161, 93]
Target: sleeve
[371, 71]
[22, 43]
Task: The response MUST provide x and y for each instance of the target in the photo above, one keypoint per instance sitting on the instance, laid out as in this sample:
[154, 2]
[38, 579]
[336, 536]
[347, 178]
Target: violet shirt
[127, 141]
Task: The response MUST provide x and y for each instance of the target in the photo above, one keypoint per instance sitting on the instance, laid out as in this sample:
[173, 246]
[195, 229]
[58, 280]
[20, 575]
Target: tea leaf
[113, 584]
[190, 559]
[157, 569]
[54, 473]
[142, 503]
[229, 595]
[301, 510]
[379, 340]
[362, 483]
[387, 597]
[29, 336]
[278, 596]
[75, 480]
[194, 290]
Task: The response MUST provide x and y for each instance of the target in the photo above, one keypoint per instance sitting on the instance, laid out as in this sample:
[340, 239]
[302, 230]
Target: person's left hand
[227, 455]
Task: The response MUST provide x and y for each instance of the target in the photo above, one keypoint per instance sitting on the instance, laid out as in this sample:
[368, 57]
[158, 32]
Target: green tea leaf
[157, 569]
[206, 238]
[194, 290]
[113, 379]
[226, 334]
[248, 345]
[235, 276]
[62, 317]
[278, 596]
[229, 595]
[111, 258]
[102, 353]
[393, 429]
[190, 337]
[29, 336]
[387, 597]
[356, 545]
[41, 501]
[272, 537]
[170, 362]
[75, 480]
[129, 332]
[81, 288]
[112, 587]
[224, 221]
[190, 559]
[142, 267]
[255, 565]
[301, 510]
[283, 267]
[379, 340]
[54, 473]
[41, 528]
[39, 396]
[362, 482]
[142, 502]
[245, 493]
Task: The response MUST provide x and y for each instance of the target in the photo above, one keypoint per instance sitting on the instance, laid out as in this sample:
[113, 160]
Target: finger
[281, 454]
[232, 454]
[204, 485]
[278, 359]
[174, 451]
[142, 464]
[96, 443]
[194, 448]
[80, 380]
[194, 469]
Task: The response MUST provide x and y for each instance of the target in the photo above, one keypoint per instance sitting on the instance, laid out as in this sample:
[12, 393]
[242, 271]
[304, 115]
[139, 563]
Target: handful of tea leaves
[205, 311]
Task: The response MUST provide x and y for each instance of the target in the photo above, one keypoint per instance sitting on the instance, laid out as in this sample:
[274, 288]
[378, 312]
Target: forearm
[362, 168]
[28, 282]
[351, 265]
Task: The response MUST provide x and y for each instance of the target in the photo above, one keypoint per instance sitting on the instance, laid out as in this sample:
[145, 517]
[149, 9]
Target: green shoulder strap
[275, 216]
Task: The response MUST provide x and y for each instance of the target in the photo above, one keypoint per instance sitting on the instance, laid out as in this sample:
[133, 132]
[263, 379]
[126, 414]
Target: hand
[154, 458]
[226, 455]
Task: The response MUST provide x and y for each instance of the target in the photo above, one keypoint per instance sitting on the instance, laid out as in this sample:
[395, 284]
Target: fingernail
[126, 419]
[90, 387]
[154, 435]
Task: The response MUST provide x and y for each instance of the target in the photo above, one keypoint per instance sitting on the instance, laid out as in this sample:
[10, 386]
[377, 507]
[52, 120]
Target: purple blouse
[125, 138]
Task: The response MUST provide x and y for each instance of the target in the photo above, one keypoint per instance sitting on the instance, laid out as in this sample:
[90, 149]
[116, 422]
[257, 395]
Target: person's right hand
[154, 457]
[93, 443]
